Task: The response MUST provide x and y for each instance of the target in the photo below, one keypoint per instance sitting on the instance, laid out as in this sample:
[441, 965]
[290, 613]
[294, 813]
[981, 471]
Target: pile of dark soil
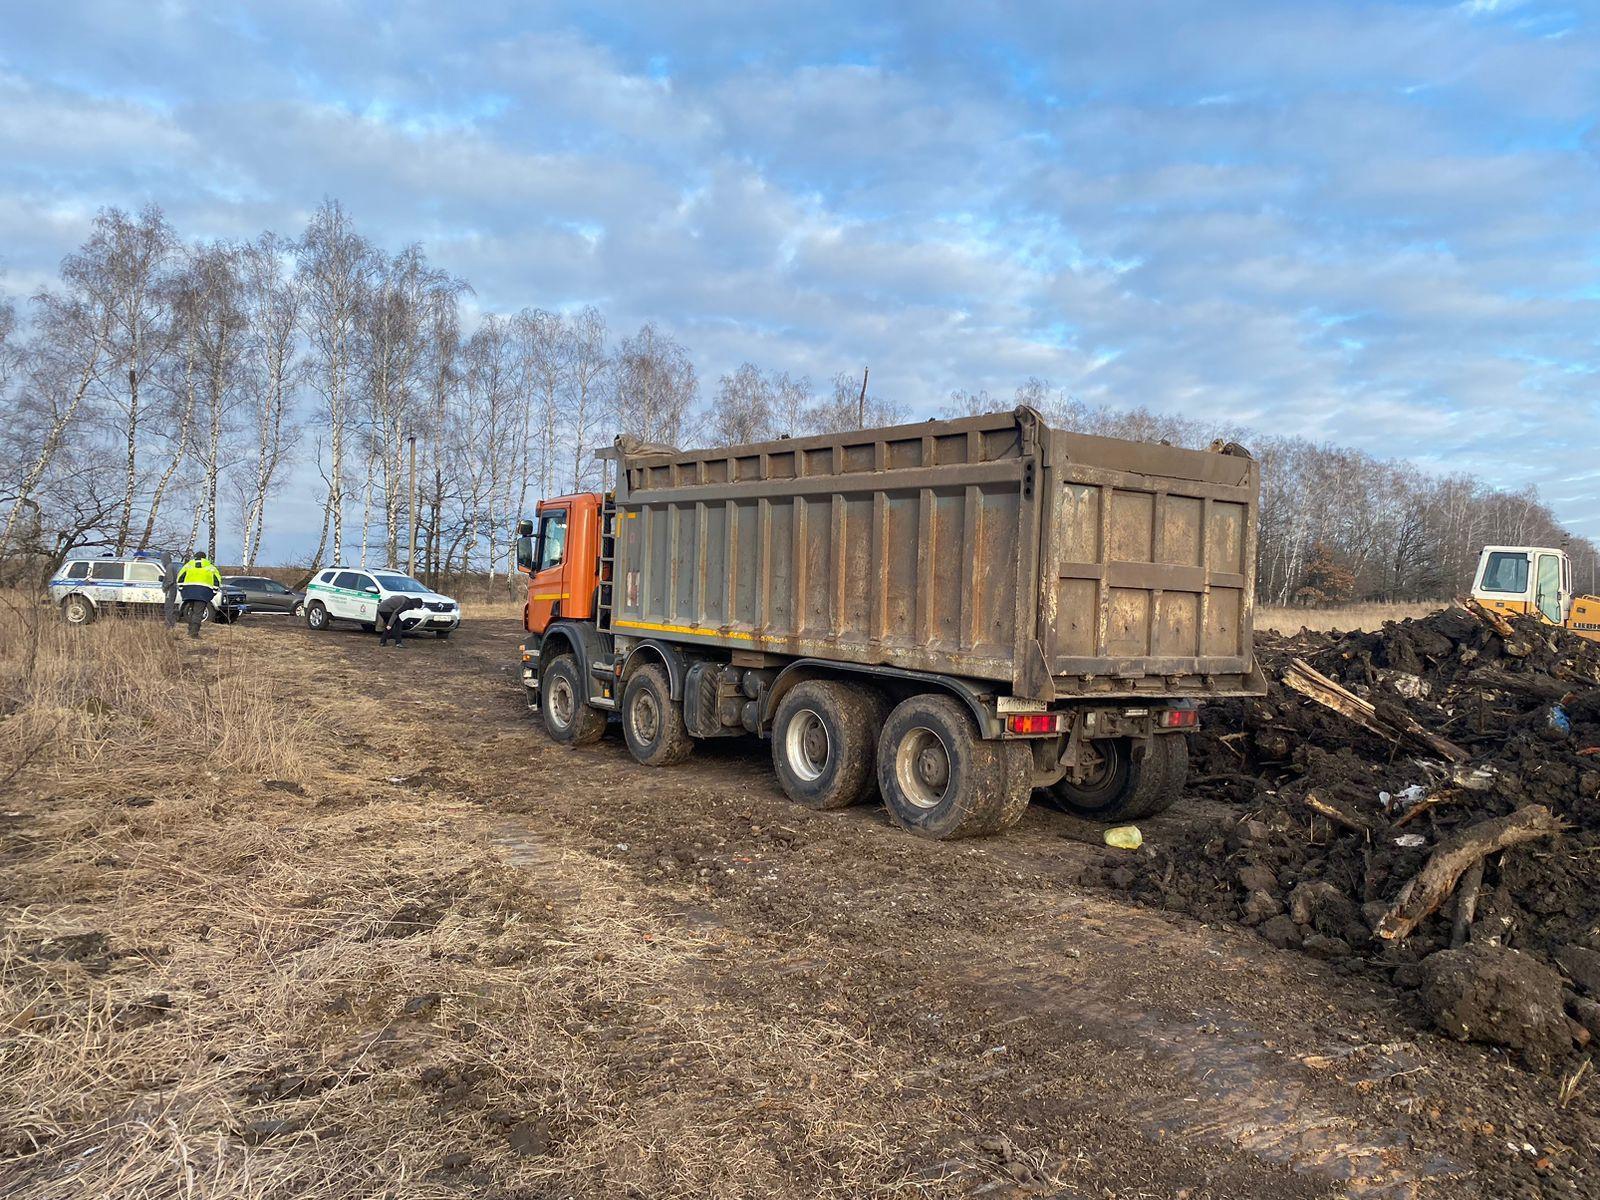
[1334, 821]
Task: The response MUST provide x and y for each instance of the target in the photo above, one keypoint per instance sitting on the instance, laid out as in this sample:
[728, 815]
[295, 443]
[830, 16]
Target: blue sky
[1372, 223]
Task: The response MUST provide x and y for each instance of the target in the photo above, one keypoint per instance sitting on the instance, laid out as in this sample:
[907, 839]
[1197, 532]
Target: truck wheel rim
[646, 718]
[807, 746]
[76, 613]
[562, 702]
[922, 767]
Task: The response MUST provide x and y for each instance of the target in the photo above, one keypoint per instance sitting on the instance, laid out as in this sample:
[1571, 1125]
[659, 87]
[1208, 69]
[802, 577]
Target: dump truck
[957, 614]
[1537, 580]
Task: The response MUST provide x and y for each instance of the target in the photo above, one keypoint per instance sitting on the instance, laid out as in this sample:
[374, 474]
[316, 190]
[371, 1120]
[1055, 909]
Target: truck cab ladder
[608, 556]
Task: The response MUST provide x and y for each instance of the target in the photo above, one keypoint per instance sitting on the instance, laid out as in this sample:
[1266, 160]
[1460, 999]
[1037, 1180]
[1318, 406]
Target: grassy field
[250, 947]
[1342, 617]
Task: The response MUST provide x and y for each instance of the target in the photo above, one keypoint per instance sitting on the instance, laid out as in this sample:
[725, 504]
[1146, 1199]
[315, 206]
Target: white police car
[349, 594]
[85, 587]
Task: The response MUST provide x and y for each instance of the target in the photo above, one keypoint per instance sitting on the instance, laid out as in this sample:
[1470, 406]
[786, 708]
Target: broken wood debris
[1426, 892]
[1314, 685]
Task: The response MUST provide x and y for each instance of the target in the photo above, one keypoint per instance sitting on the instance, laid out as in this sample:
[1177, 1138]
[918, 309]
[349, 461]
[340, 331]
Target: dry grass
[238, 959]
[1343, 617]
[487, 610]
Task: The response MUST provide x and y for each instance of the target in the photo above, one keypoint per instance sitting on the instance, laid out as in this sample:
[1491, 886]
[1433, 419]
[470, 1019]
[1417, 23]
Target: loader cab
[1525, 579]
[559, 553]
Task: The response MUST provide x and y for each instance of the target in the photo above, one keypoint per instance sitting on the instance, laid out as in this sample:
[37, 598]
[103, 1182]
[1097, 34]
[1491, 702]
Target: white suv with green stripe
[347, 594]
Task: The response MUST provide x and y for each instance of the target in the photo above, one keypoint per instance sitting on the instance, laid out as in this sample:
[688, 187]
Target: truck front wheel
[568, 717]
[1125, 788]
[941, 780]
[652, 722]
[824, 741]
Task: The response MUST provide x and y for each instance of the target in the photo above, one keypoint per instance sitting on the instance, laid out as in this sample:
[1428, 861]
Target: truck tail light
[1179, 718]
[1035, 723]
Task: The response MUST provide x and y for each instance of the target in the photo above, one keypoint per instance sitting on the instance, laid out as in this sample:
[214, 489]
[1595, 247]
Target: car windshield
[400, 583]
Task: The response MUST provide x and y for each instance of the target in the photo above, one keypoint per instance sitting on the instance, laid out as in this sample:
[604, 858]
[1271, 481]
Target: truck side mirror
[524, 527]
[525, 547]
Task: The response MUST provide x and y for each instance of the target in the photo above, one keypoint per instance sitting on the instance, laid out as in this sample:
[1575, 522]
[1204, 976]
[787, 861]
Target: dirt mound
[1411, 820]
[1493, 994]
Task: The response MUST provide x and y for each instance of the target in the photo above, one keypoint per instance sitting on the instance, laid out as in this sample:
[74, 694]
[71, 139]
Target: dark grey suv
[267, 595]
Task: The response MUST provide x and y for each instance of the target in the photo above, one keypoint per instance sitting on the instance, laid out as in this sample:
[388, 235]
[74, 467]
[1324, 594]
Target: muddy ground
[982, 1018]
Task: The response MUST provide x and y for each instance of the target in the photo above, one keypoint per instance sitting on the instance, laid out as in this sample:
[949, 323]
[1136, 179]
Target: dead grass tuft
[131, 693]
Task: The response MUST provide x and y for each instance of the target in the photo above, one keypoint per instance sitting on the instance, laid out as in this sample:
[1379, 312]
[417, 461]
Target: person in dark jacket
[169, 589]
[389, 611]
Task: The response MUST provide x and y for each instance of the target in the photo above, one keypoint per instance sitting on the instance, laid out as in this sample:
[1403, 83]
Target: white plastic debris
[1410, 841]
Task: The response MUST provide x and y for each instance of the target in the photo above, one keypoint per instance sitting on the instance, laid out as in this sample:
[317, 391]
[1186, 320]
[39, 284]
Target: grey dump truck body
[956, 615]
[1036, 563]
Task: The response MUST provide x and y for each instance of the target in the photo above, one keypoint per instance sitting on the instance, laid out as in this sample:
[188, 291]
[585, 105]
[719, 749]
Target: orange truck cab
[559, 551]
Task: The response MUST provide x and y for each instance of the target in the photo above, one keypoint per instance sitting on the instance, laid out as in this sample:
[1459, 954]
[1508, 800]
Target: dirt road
[872, 1013]
[1051, 1032]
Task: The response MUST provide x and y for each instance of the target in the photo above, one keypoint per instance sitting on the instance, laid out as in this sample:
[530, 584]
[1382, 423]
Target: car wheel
[76, 610]
[299, 610]
[441, 634]
[316, 615]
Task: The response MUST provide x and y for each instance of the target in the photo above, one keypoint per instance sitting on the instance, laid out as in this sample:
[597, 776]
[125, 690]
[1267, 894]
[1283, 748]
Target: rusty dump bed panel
[992, 548]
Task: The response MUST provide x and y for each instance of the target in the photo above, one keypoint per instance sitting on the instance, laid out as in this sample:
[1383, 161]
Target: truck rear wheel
[652, 722]
[568, 717]
[824, 742]
[941, 780]
[1125, 788]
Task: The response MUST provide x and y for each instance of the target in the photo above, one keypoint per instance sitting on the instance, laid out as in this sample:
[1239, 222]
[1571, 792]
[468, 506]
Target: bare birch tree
[72, 338]
[654, 387]
[742, 410]
[588, 371]
[544, 351]
[336, 265]
[126, 262]
[272, 374]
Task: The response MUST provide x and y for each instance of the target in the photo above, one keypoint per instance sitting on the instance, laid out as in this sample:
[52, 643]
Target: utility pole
[411, 551]
[861, 401]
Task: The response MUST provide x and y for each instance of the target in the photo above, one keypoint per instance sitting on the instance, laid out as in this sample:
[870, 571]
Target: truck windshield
[1506, 572]
[400, 583]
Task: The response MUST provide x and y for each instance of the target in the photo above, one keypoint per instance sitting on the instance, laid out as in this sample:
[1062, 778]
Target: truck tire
[652, 721]
[940, 779]
[76, 610]
[316, 616]
[568, 717]
[1174, 749]
[1125, 789]
[825, 741]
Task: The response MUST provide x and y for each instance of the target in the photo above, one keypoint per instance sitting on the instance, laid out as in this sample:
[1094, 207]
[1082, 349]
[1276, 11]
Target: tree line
[162, 393]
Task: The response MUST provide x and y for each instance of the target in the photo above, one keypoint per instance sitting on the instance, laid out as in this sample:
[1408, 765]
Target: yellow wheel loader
[1537, 580]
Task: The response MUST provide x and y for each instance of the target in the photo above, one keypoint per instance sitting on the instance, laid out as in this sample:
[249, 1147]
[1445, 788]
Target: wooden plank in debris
[1487, 615]
[1430, 887]
[1314, 685]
